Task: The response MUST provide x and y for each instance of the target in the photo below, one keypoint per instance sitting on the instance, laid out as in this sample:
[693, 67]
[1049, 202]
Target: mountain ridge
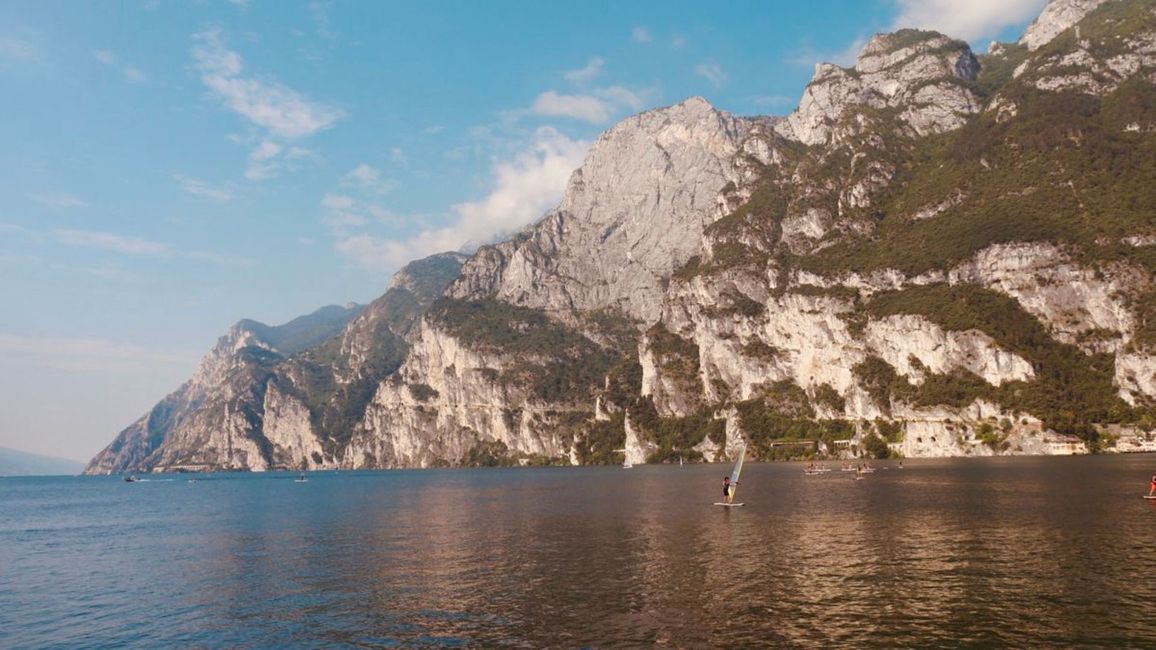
[14, 462]
[936, 253]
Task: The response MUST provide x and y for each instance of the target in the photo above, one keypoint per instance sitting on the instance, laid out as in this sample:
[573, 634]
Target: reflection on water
[1025, 552]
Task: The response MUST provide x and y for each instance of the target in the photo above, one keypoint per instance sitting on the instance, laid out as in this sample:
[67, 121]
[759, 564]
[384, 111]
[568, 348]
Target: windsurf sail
[738, 470]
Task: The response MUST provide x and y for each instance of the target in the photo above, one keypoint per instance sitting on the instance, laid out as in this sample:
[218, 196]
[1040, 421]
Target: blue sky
[171, 167]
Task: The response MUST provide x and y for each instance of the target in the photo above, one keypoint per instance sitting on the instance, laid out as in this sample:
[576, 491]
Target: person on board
[1152, 486]
[728, 489]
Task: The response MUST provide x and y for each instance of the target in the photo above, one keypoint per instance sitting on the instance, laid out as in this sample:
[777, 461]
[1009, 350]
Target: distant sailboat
[735, 480]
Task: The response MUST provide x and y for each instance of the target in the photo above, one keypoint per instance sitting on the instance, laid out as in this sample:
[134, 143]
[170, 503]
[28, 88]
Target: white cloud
[266, 103]
[677, 41]
[457, 153]
[433, 130]
[967, 20]
[807, 56]
[301, 153]
[596, 108]
[713, 73]
[15, 49]
[585, 74]
[320, 13]
[87, 354]
[105, 57]
[524, 188]
[397, 155]
[261, 161]
[216, 258]
[580, 107]
[640, 35]
[197, 187]
[368, 179]
[622, 96]
[265, 151]
[337, 202]
[130, 72]
[113, 242]
[136, 246]
[57, 200]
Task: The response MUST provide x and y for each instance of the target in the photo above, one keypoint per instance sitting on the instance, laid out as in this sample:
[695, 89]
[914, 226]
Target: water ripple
[1020, 552]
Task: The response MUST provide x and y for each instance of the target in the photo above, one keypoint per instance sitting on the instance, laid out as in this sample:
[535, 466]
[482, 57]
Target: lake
[952, 552]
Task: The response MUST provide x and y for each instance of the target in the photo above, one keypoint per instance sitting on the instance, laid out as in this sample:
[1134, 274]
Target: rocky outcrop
[1095, 61]
[633, 213]
[1058, 16]
[448, 400]
[1084, 306]
[921, 75]
[1136, 377]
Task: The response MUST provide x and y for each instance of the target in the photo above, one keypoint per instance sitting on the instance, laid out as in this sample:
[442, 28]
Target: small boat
[301, 478]
[130, 479]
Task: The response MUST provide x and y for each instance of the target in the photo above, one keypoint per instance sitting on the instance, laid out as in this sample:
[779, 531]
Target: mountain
[22, 463]
[936, 253]
[242, 353]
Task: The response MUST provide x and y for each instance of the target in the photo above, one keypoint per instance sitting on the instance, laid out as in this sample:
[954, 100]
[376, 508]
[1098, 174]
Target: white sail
[737, 471]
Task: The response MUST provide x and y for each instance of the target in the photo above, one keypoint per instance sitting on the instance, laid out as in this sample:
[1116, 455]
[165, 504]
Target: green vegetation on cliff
[556, 362]
[1071, 390]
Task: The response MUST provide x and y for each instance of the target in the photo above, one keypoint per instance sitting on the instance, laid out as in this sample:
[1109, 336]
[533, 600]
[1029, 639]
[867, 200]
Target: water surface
[980, 552]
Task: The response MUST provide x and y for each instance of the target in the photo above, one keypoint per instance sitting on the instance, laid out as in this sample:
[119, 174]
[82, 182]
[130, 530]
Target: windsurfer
[728, 489]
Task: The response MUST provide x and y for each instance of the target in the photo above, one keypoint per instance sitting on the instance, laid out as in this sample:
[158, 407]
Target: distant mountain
[303, 332]
[259, 398]
[22, 463]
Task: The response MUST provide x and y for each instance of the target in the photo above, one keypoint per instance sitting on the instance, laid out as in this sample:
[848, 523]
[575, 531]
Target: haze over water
[1023, 551]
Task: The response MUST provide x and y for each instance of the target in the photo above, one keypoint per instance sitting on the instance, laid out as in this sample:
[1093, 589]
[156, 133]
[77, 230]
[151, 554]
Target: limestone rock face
[445, 401]
[1095, 61]
[632, 214]
[1057, 17]
[1136, 376]
[917, 73]
[1072, 300]
[808, 341]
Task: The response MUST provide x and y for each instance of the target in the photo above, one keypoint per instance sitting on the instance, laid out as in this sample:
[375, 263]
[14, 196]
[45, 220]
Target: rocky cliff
[281, 397]
[936, 253]
[632, 214]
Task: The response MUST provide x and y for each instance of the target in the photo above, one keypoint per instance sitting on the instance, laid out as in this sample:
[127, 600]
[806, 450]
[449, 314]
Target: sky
[170, 167]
